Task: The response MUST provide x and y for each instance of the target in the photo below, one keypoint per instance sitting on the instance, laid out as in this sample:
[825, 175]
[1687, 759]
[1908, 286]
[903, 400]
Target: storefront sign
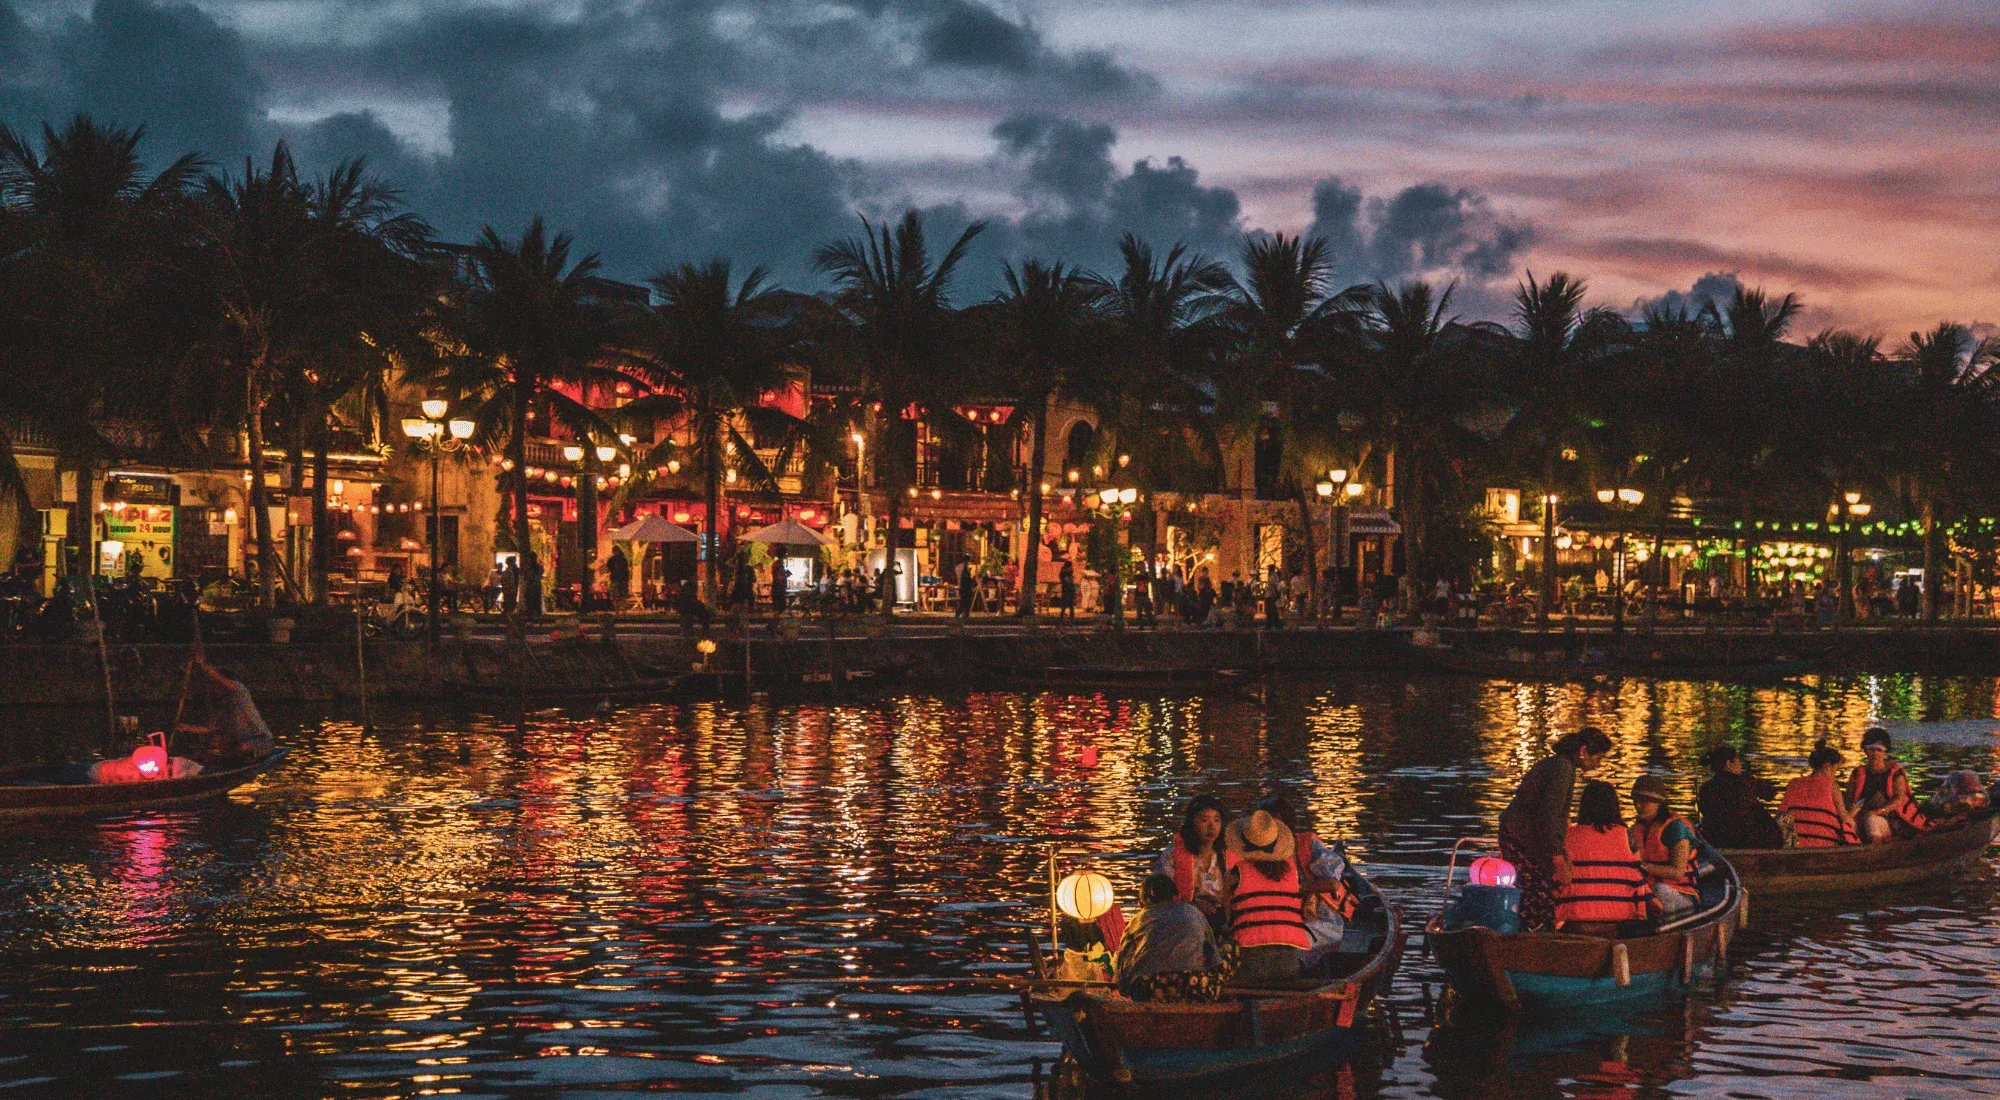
[141, 531]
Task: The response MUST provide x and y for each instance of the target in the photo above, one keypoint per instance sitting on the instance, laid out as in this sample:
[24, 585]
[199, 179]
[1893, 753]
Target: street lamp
[587, 459]
[1621, 501]
[1845, 509]
[433, 433]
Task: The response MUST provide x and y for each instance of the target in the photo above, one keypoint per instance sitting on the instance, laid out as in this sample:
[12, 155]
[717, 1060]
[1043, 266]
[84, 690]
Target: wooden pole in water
[103, 662]
[187, 685]
[361, 663]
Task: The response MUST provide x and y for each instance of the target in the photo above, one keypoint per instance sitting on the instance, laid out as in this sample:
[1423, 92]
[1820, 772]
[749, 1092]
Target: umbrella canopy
[789, 532]
[651, 528]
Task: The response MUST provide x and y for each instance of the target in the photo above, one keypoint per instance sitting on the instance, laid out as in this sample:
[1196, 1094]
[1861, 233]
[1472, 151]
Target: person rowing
[1732, 811]
[231, 732]
[1878, 790]
[1535, 825]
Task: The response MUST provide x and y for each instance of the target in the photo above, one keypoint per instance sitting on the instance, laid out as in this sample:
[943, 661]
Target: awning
[651, 528]
[1373, 523]
[788, 532]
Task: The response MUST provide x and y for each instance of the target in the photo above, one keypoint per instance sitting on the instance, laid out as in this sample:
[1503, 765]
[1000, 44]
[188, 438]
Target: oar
[187, 684]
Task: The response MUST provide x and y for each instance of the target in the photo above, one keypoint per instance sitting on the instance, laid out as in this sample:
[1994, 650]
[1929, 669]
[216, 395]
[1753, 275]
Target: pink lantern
[1491, 871]
[150, 759]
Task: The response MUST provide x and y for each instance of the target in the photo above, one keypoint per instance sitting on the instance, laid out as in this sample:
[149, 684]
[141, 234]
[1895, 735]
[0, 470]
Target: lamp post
[1622, 501]
[587, 460]
[1848, 507]
[439, 437]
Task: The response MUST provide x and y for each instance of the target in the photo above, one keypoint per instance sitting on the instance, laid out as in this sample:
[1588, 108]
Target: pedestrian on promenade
[1066, 589]
[780, 581]
[968, 582]
[618, 573]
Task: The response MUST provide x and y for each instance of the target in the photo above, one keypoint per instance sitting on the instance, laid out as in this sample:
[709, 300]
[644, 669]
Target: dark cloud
[1717, 289]
[1426, 230]
[977, 37]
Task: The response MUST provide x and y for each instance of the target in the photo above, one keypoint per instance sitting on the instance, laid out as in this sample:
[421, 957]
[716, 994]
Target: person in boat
[230, 732]
[1607, 885]
[1878, 790]
[1534, 827]
[1194, 860]
[1168, 954]
[1960, 796]
[1327, 912]
[1266, 899]
[1732, 808]
[1813, 807]
[1666, 845]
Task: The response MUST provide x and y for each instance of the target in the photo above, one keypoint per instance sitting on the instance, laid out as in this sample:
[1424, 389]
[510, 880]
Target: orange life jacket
[1341, 897]
[1264, 910]
[1816, 821]
[1606, 882]
[1908, 811]
[1653, 849]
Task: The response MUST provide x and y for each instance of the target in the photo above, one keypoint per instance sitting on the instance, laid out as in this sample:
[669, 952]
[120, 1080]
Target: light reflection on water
[670, 897]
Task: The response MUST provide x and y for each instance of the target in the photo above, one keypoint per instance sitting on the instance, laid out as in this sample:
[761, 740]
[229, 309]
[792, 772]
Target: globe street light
[1621, 500]
[433, 433]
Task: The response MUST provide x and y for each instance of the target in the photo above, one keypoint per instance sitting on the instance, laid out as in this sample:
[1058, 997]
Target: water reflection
[710, 898]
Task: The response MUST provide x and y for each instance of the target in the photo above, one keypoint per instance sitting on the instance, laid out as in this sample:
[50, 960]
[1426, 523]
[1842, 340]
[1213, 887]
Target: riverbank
[931, 655]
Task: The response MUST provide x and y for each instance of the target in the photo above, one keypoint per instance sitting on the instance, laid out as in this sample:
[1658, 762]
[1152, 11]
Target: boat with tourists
[53, 790]
[1929, 855]
[1119, 1041]
[1548, 972]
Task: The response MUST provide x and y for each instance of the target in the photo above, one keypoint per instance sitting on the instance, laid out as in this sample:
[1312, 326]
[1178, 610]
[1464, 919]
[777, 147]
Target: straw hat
[1259, 836]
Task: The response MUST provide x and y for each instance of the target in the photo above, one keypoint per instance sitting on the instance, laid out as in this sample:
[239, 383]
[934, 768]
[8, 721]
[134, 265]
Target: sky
[1848, 150]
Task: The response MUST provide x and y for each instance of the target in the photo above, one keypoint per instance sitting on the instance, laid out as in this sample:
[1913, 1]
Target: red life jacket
[1653, 849]
[1816, 821]
[1908, 811]
[1265, 910]
[1341, 897]
[1184, 869]
[1606, 882]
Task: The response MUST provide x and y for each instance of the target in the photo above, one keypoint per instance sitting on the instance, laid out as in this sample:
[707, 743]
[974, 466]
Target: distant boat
[1132, 1043]
[58, 789]
[1865, 866]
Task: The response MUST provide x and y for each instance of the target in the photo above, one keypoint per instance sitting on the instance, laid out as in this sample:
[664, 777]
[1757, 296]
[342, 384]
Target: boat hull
[1552, 972]
[1782, 871]
[1127, 1043]
[21, 797]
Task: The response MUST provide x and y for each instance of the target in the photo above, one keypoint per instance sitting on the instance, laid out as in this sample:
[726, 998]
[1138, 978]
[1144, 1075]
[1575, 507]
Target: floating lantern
[150, 759]
[1084, 896]
[1491, 871]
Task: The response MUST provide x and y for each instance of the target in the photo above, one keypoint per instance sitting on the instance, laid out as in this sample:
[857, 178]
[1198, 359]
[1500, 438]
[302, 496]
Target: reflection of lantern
[1084, 896]
[1491, 871]
[151, 758]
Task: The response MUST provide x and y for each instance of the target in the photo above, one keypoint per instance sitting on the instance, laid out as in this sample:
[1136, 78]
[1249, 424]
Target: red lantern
[1491, 871]
[150, 759]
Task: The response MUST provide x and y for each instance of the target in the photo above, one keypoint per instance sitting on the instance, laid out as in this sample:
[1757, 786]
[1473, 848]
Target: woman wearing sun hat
[1266, 899]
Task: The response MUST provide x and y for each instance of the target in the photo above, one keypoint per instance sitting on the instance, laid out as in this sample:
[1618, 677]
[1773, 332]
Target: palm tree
[1053, 336]
[1561, 360]
[1950, 382]
[894, 323]
[1163, 313]
[1844, 437]
[99, 313]
[531, 319]
[710, 348]
[1284, 318]
[1415, 379]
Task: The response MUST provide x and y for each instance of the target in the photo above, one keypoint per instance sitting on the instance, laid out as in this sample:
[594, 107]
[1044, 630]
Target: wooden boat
[51, 790]
[1864, 866]
[1548, 972]
[1129, 1043]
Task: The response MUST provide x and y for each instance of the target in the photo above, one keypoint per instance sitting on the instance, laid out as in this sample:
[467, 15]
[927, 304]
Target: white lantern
[1084, 896]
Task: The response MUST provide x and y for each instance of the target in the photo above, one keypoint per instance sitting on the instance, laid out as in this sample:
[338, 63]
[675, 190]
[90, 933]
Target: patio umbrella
[651, 528]
[789, 532]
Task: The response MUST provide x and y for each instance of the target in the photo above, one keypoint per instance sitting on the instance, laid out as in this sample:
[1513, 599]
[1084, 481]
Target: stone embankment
[928, 656]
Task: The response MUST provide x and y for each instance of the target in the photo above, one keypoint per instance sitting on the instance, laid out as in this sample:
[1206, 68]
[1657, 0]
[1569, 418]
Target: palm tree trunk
[517, 444]
[893, 485]
[322, 544]
[711, 495]
[260, 513]
[295, 458]
[1930, 561]
[1312, 547]
[1031, 561]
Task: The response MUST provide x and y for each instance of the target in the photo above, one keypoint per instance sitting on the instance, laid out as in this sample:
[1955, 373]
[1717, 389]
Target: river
[677, 898]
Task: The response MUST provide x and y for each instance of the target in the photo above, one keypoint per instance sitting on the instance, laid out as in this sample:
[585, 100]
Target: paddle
[187, 684]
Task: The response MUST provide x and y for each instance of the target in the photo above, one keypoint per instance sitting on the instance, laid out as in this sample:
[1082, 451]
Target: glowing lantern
[150, 759]
[705, 647]
[1084, 896]
[1491, 871]
[681, 517]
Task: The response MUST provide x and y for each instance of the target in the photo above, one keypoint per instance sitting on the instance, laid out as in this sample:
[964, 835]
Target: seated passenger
[1169, 953]
[1961, 795]
[1266, 902]
[1879, 793]
[1322, 871]
[1732, 807]
[1813, 807]
[1666, 844]
[1194, 858]
[1607, 886]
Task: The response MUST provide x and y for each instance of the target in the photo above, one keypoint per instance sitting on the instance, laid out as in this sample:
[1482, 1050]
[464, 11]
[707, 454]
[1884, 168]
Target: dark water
[670, 899]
